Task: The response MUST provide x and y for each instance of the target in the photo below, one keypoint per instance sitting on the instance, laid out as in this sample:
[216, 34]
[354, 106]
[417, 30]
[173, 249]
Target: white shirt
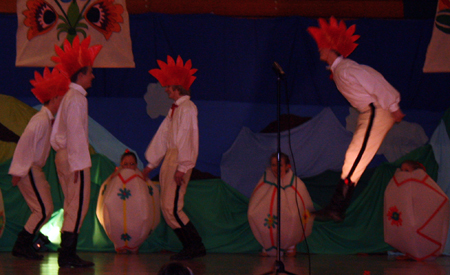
[33, 147]
[362, 85]
[179, 131]
[70, 130]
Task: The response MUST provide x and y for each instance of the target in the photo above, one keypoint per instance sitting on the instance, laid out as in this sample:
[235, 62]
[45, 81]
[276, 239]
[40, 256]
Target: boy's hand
[146, 171]
[398, 115]
[15, 180]
[179, 178]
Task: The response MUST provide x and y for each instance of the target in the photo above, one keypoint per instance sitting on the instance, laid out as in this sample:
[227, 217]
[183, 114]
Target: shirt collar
[47, 110]
[182, 99]
[78, 87]
[336, 62]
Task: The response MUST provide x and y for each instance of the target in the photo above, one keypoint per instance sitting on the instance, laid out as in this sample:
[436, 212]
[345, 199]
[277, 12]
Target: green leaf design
[61, 31]
[82, 32]
[71, 19]
[63, 26]
[63, 19]
[73, 14]
[82, 25]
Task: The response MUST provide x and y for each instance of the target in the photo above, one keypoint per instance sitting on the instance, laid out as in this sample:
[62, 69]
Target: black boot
[67, 253]
[340, 201]
[184, 253]
[23, 247]
[192, 243]
[196, 243]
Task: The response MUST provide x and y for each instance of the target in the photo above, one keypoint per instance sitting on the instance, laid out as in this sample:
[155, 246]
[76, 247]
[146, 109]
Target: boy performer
[70, 140]
[30, 156]
[366, 89]
[177, 142]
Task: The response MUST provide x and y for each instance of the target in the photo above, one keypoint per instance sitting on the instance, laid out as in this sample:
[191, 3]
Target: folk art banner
[42, 24]
[438, 53]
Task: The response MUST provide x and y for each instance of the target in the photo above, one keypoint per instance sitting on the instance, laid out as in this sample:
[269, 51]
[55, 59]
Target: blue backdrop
[235, 84]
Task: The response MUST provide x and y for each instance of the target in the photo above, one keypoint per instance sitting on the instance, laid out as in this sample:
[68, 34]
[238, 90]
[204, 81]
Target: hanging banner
[43, 24]
[438, 53]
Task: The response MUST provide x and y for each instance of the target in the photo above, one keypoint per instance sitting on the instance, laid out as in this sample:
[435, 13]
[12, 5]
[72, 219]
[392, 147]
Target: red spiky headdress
[174, 73]
[49, 85]
[335, 36]
[76, 55]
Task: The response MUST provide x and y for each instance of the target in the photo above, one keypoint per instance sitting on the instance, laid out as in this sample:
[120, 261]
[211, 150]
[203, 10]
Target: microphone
[277, 68]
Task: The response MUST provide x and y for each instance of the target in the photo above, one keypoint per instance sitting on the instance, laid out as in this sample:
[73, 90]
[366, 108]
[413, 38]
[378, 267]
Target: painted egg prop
[128, 209]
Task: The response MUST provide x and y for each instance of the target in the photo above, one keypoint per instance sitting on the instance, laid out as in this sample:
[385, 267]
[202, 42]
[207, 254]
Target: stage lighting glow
[52, 229]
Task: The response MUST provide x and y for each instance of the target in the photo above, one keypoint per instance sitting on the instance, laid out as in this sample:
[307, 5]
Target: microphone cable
[295, 170]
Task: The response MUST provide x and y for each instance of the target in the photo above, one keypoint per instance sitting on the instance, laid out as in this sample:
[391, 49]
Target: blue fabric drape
[318, 145]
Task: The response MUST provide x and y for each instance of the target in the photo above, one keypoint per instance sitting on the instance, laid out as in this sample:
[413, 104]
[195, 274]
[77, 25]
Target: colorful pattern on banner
[438, 55]
[43, 24]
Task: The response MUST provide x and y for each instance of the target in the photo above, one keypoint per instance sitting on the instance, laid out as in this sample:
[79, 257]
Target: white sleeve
[378, 87]
[77, 136]
[25, 151]
[188, 140]
[158, 146]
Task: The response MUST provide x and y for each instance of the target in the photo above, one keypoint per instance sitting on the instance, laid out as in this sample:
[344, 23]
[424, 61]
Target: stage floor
[227, 264]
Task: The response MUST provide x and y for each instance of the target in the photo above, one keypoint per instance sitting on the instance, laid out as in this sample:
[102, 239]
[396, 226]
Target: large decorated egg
[296, 206]
[416, 215]
[128, 209]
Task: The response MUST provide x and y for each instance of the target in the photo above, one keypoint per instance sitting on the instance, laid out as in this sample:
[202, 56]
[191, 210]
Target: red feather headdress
[49, 85]
[335, 36]
[174, 73]
[76, 55]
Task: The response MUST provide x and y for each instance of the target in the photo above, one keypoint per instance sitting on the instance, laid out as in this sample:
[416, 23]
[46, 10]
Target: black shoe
[340, 201]
[67, 253]
[189, 253]
[198, 251]
[195, 241]
[184, 254]
[192, 243]
[183, 237]
[23, 247]
[72, 260]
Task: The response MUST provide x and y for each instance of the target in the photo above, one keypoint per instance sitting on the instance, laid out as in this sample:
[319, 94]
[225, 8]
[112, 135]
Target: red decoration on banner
[105, 17]
[40, 18]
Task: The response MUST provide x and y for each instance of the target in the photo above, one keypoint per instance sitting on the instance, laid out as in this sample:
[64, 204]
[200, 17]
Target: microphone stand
[279, 265]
